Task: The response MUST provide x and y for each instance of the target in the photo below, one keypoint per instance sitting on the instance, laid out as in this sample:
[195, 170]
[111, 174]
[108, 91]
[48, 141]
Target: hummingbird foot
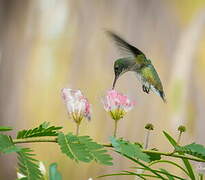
[145, 89]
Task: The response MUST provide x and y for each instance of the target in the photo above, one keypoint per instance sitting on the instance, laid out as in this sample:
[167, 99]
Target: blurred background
[46, 45]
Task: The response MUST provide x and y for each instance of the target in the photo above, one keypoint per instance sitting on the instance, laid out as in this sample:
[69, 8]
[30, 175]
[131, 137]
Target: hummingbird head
[121, 66]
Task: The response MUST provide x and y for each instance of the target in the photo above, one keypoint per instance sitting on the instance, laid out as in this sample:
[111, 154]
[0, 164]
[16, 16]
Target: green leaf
[164, 172]
[170, 139]
[193, 149]
[43, 130]
[28, 166]
[54, 174]
[127, 173]
[170, 177]
[143, 165]
[5, 128]
[169, 162]
[185, 161]
[189, 168]
[71, 146]
[96, 150]
[153, 156]
[83, 148]
[129, 149]
[6, 145]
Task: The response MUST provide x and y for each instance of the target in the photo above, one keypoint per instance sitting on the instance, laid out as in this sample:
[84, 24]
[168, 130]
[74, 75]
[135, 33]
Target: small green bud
[181, 129]
[149, 126]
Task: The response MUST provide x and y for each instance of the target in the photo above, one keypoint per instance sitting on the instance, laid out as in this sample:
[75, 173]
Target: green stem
[36, 139]
[173, 155]
[77, 128]
[179, 137]
[189, 168]
[54, 140]
[200, 176]
[170, 162]
[147, 139]
[143, 165]
[115, 129]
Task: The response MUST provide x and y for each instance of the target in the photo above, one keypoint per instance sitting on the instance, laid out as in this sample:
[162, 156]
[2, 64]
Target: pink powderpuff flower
[77, 104]
[117, 104]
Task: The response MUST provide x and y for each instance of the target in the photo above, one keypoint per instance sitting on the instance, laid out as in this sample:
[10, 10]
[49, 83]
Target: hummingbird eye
[116, 68]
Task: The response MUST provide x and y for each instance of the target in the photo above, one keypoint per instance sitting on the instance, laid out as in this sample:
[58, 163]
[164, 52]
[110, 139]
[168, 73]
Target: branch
[36, 139]
[54, 140]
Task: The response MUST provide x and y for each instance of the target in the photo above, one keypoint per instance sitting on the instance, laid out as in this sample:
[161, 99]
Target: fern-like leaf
[96, 150]
[193, 149]
[83, 148]
[6, 145]
[43, 130]
[28, 166]
[129, 149]
[71, 146]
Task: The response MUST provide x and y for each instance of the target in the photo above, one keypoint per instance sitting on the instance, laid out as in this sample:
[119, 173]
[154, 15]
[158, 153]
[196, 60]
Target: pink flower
[77, 105]
[117, 104]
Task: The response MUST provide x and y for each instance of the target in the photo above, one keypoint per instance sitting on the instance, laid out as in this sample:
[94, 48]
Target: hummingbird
[137, 62]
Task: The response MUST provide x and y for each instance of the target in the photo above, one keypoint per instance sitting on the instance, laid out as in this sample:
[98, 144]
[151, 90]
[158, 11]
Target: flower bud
[149, 126]
[181, 129]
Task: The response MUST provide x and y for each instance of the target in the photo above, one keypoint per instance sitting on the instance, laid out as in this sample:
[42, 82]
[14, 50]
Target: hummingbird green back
[150, 80]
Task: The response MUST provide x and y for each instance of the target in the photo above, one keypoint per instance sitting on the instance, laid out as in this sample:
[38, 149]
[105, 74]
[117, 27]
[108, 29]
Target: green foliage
[70, 145]
[171, 163]
[54, 174]
[143, 172]
[153, 156]
[193, 149]
[97, 151]
[6, 145]
[129, 149]
[170, 139]
[169, 176]
[185, 161]
[162, 172]
[146, 167]
[43, 130]
[28, 166]
[5, 128]
[83, 148]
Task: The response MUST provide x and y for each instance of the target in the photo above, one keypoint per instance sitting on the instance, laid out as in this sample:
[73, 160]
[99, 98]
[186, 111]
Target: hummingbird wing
[128, 48]
[150, 77]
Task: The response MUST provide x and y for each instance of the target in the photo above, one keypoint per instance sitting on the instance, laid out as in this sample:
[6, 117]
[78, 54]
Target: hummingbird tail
[162, 95]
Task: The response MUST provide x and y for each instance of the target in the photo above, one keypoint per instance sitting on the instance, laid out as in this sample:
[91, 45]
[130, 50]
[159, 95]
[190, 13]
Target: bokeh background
[46, 45]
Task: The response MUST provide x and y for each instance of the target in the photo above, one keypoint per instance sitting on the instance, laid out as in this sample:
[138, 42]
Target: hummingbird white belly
[145, 83]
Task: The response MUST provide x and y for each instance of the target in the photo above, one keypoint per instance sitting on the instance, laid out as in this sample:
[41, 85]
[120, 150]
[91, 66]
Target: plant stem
[147, 139]
[77, 128]
[173, 155]
[54, 140]
[200, 176]
[179, 137]
[115, 129]
[36, 139]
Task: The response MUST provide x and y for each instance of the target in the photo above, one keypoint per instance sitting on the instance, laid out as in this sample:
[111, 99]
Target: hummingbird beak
[114, 82]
